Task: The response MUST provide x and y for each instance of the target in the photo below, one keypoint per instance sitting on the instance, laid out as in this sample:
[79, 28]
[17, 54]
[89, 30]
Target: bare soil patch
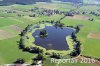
[78, 17]
[94, 36]
[5, 35]
[16, 28]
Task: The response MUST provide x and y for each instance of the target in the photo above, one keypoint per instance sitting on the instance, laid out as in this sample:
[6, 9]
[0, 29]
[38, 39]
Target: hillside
[73, 1]
[23, 2]
[82, 1]
[92, 1]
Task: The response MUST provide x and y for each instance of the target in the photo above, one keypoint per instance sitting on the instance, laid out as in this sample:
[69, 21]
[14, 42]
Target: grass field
[47, 63]
[90, 45]
[9, 50]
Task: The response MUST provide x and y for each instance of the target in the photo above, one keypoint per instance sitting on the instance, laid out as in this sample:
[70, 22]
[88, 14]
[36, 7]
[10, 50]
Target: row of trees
[40, 57]
[94, 13]
[29, 49]
[56, 55]
[59, 24]
[19, 61]
[98, 59]
[77, 45]
[77, 50]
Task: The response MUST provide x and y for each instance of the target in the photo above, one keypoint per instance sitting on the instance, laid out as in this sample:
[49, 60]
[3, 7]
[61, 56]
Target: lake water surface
[56, 39]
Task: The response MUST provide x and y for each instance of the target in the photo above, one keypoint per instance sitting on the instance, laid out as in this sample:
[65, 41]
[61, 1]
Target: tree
[73, 35]
[55, 55]
[77, 29]
[43, 33]
[74, 53]
[40, 56]
[21, 45]
[35, 50]
[91, 19]
[33, 15]
[19, 61]
[52, 21]
[69, 14]
[34, 62]
[77, 49]
[58, 24]
[22, 33]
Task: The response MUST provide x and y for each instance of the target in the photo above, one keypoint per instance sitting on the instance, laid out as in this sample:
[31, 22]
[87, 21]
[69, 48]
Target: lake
[56, 39]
